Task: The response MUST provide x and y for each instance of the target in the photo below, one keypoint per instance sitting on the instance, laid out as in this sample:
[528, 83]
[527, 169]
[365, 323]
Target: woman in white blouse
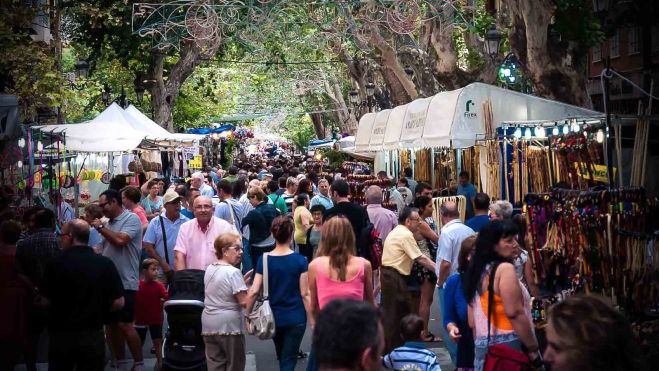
[226, 296]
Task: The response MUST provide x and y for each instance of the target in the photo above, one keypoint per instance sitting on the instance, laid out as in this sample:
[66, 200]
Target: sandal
[301, 355]
[432, 338]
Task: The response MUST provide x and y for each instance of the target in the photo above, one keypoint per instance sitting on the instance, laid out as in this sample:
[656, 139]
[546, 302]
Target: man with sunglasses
[122, 243]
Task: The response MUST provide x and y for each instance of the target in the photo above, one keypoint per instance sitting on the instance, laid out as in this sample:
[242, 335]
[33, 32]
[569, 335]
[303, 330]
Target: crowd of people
[102, 279]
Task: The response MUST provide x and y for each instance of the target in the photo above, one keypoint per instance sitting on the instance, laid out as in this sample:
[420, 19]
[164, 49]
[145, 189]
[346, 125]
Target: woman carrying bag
[288, 293]
[499, 305]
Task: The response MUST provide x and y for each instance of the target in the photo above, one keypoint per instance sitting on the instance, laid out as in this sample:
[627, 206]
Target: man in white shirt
[197, 181]
[450, 239]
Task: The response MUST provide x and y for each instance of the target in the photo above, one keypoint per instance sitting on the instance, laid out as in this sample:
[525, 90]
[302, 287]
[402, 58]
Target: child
[413, 355]
[148, 307]
[93, 211]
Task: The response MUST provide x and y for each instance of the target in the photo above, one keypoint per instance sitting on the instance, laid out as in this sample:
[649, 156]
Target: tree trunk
[164, 93]
[555, 70]
[318, 127]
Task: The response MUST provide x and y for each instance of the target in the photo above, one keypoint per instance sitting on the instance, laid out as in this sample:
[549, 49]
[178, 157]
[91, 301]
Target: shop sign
[195, 163]
[599, 172]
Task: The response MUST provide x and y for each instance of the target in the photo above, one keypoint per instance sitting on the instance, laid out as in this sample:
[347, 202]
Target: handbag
[500, 356]
[260, 321]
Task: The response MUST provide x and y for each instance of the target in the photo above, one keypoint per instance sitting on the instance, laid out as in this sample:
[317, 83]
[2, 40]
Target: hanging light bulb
[518, 133]
[39, 146]
[21, 143]
[527, 133]
[554, 131]
[575, 126]
[566, 129]
[599, 136]
[540, 132]
[19, 164]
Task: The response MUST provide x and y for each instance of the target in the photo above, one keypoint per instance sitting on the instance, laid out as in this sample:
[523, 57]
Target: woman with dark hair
[426, 239]
[455, 309]
[289, 293]
[491, 282]
[305, 186]
[585, 333]
[259, 220]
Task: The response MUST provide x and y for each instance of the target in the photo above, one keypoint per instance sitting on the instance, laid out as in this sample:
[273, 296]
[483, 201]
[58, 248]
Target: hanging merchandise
[437, 202]
[422, 166]
[599, 241]
[445, 170]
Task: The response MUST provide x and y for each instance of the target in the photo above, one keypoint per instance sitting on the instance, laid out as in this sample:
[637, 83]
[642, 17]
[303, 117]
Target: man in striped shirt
[413, 355]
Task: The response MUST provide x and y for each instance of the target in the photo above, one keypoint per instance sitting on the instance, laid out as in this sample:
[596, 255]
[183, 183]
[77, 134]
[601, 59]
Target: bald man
[76, 326]
[194, 244]
[450, 239]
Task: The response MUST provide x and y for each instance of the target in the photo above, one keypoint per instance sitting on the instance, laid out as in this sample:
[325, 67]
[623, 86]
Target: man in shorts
[122, 243]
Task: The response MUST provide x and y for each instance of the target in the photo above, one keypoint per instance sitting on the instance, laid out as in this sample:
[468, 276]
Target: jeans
[287, 344]
[450, 345]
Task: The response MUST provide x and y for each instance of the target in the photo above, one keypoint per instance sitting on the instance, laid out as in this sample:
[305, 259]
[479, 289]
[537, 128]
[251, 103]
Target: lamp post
[81, 69]
[121, 100]
[492, 42]
[409, 71]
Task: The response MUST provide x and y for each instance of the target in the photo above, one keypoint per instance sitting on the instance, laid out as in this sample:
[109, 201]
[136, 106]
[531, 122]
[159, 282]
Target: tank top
[300, 231]
[500, 325]
[329, 289]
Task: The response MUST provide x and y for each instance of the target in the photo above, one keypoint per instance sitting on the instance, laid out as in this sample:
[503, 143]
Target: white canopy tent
[455, 118]
[155, 132]
[108, 132]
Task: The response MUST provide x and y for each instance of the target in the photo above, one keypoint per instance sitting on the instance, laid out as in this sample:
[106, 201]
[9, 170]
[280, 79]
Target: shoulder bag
[260, 321]
[501, 357]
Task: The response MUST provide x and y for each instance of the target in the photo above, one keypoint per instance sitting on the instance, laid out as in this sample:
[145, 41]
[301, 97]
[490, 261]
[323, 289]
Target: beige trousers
[225, 352]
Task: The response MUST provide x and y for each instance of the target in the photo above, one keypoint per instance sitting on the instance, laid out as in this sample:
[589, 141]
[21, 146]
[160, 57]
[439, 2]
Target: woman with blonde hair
[226, 297]
[337, 272]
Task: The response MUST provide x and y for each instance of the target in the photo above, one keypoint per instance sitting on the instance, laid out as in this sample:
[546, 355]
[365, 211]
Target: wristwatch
[100, 227]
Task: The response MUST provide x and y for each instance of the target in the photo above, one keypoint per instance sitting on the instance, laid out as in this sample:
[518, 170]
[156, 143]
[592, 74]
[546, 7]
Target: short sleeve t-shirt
[469, 191]
[284, 284]
[150, 206]
[148, 303]
[126, 259]
[222, 313]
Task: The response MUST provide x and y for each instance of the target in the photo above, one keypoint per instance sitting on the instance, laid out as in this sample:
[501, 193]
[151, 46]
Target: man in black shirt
[356, 214]
[79, 288]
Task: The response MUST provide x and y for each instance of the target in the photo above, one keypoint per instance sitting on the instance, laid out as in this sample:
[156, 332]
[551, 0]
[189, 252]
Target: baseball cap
[170, 196]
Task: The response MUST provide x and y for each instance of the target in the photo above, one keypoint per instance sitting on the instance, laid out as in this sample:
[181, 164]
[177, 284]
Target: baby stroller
[183, 346]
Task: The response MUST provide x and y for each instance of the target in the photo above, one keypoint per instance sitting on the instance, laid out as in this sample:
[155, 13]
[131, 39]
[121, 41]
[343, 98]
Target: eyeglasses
[236, 247]
[203, 207]
[415, 219]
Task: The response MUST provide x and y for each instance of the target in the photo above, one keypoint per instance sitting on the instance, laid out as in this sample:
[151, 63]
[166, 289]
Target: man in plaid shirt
[33, 254]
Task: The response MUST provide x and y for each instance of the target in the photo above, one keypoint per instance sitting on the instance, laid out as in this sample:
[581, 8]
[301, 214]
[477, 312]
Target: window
[597, 53]
[614, 45]
[633, 46]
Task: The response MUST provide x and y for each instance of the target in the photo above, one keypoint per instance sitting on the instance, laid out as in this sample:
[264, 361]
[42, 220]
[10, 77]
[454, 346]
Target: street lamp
[354, 97]
[370, 88]
[82, 69]
[139, 93]
[492, 42]
[121, 99]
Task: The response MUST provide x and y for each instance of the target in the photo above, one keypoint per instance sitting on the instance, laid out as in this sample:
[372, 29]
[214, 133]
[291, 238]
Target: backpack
[370, 246]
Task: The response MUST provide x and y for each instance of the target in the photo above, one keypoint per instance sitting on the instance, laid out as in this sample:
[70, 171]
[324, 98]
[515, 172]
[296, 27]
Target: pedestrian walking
[122, 244]
[131, 198]
[259, 220]
[148, 307]
[323, 196]
[399, 253]
[194, 243]
[79, 288]
[303, 221]
[222, 320]
[289, 293]
[314, 232]
[152, 203]
[413, 355]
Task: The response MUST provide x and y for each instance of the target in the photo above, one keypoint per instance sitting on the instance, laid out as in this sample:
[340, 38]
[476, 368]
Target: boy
[413, 355]
[148, 307]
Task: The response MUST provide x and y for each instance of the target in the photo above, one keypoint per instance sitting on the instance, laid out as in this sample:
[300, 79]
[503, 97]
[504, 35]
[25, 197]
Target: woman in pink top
[337, 272]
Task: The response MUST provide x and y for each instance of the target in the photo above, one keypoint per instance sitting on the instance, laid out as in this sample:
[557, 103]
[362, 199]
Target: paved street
[261, 354]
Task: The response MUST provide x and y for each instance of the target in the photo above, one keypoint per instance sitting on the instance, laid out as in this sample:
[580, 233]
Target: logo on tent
[468, 114]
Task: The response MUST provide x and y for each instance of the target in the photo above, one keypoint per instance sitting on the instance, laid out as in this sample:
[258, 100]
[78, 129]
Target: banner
[599, 172]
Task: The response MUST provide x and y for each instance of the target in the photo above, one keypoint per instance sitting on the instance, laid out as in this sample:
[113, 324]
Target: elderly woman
[226, 296]
[500, 210]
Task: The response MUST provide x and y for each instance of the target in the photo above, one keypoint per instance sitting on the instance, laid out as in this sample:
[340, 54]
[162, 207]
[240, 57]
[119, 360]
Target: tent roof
[155, 132]
[455, 118]
[107, 132]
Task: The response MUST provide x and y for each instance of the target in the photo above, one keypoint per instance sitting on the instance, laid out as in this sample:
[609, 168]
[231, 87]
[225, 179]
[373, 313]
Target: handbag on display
[260, 322]
[501, 357]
